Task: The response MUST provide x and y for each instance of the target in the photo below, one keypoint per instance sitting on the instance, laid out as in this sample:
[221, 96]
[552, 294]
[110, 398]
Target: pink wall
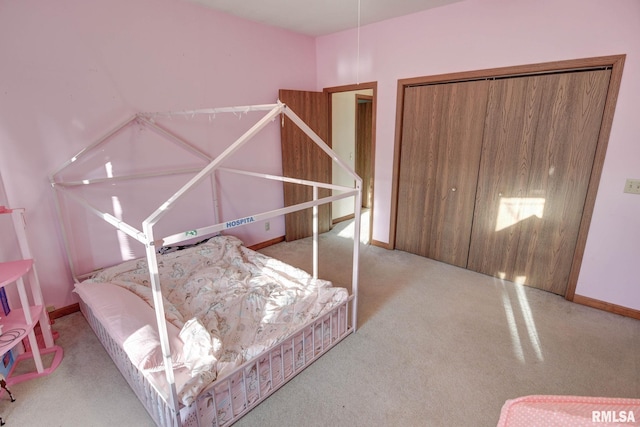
[72, 69]
[479, 34]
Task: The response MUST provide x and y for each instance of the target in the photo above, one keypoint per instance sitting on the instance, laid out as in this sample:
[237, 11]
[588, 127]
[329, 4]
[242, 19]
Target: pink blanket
[574, 411]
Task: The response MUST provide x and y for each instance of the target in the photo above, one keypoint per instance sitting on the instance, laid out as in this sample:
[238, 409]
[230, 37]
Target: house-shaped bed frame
[169, 411]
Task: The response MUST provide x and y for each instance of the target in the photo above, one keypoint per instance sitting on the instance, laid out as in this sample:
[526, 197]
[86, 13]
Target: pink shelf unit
[21, 321]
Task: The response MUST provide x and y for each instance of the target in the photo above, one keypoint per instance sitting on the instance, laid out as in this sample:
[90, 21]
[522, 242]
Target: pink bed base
[230, 397]
[570, 411]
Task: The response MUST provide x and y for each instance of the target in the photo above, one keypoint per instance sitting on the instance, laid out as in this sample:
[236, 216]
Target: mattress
[224, 303]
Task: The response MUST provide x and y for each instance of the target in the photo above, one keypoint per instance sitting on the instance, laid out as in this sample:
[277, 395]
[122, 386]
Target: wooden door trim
[607, 306]
[601, 148]
[360, 98]
[616, 62]
[374, 88]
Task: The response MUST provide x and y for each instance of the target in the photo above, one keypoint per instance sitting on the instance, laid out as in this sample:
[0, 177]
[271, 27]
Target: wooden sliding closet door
[439, 160]
[302, 158]
[538, 149]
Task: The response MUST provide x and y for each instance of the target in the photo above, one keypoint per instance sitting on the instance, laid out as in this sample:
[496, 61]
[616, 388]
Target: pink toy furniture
[21, 321]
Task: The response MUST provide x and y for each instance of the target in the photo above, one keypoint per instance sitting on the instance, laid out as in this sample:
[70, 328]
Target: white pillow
[132, 323]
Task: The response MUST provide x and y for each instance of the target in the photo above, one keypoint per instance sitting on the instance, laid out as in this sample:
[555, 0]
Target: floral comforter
[231, 303]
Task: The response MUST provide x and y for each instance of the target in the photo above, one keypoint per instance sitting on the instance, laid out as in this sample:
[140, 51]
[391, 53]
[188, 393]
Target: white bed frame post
[357, 208]
[356, 252]
[147, 227]
[315, 233]
[163, 335]
[214, 191]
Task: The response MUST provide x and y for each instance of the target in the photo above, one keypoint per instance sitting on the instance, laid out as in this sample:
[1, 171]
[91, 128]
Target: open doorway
[352, 136]
[339, 125]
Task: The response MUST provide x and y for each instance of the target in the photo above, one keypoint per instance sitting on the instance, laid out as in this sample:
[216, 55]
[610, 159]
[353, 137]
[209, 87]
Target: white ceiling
[320, 17]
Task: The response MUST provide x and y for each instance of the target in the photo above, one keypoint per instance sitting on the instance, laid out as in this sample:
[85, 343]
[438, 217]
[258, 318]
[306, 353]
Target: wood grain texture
[64, 311]
[548, 126]
[614, 62]
[617, 67]
[607, 306]
[507, 149]
[302, 158]
[364, 147]
[439, 160]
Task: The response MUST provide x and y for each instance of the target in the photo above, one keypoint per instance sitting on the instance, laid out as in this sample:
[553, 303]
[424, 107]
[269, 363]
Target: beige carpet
[436, 346]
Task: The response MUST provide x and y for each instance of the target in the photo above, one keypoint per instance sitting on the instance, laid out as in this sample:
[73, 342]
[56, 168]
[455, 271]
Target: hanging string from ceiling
[358, 48]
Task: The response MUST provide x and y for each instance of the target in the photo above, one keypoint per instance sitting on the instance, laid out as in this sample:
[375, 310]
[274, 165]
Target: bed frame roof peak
[212, 164]
[146, 235]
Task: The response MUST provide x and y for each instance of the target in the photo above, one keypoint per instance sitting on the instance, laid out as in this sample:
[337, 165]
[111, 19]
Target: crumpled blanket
[246, 301]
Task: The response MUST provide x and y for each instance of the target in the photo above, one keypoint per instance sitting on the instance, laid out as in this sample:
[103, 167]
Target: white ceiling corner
[320, 17]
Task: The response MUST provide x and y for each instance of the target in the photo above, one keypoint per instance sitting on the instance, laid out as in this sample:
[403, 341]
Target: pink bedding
[570, 411]
[224, 305]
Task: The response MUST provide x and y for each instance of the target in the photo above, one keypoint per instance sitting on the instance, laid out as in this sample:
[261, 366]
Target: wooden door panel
[440, 155]
[412, 204]
[302, 158]
[501, 196]
[417, 173]
[530, 200]
[566, 141]
[364, 139]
